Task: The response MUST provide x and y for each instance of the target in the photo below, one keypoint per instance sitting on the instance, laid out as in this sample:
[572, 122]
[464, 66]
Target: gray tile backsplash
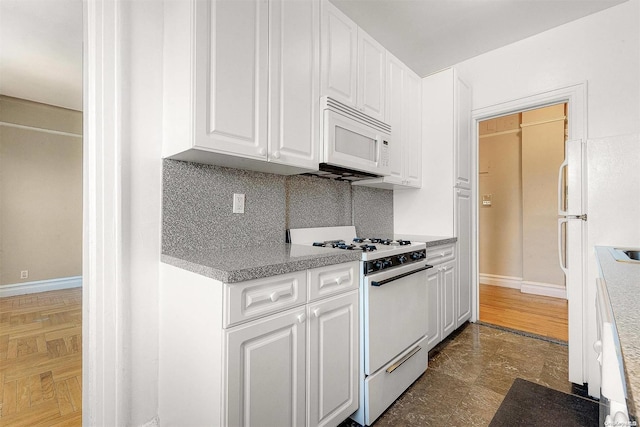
[197, 206]
[198, 200]
[373, 212]
[317, 202]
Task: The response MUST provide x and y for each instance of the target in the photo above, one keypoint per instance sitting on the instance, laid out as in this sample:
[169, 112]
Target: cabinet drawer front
[254, 298]
[333, 279]
[438, 254]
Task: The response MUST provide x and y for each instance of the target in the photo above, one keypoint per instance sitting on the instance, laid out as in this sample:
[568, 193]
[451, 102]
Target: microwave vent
[339, 107]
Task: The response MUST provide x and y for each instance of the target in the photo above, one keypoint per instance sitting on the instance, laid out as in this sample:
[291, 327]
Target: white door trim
[576, 98]
[102, 308]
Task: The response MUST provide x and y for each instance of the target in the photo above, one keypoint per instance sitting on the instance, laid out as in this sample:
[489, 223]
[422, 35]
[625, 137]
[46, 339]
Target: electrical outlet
[24, 274]
[238, 203]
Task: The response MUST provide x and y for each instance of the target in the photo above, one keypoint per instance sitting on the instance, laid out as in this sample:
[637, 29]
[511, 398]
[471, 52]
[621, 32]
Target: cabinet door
[412, 127]
[395, 115]
[295, 86]
[231, 77]
[462, 111]
[448, 282]
[433, 308]
[372, 63]
[339, 55]
[333, 360]
[265, 368]
[463, 233]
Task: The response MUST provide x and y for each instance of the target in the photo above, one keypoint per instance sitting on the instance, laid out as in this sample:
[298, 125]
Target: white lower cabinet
[333, 360]
[434, 333]
[278, 351]
[441, 294]
[449, 296]
[464, 267]
[265, 367]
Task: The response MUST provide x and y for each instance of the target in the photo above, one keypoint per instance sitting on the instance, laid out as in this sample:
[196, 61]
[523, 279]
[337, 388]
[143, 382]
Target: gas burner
[345, 246]
[331, 244]
[375, 240]
[368, 248]
[386, 242]
[358, 240]
[403, 242]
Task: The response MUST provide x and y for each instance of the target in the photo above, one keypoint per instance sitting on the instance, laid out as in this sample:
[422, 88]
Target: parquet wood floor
[41, 359]
[513, 309]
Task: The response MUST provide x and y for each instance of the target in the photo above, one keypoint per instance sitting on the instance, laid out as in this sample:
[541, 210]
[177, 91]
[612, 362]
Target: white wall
[604, 51]
[429, 210]
[141, 202]
[601, 49]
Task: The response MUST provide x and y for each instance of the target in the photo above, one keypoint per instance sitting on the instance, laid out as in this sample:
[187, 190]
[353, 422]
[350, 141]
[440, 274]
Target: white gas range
[393, 316]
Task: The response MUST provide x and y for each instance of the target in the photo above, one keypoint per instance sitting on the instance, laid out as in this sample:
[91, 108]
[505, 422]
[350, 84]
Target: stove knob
[416, 255]
[387, 263]
[402, 259]
[379, 264]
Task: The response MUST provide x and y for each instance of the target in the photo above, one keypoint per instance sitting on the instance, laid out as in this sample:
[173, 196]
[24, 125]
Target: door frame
[576, 98]
[103, 311]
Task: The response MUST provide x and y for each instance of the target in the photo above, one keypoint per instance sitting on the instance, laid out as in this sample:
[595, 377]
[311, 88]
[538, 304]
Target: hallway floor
[536, 314]
[41, 359]
[470, 373]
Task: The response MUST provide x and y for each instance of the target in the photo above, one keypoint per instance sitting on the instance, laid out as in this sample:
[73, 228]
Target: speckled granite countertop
[429, 240]
[246, 263]
[623, 283]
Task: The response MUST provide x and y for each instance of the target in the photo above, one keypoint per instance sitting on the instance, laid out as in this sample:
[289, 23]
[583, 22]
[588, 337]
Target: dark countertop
[234, 265]
[429, 240]
[623, 283]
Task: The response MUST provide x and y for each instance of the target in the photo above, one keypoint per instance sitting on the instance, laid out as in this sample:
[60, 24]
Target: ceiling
[429, 35]
[41, 40]
[41, 51]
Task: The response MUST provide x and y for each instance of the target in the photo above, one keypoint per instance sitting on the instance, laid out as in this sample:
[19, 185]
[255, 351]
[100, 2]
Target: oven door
[395, 313]
[351, 144]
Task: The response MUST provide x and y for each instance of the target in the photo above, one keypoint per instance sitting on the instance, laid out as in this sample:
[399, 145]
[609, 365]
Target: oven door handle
[400, 276]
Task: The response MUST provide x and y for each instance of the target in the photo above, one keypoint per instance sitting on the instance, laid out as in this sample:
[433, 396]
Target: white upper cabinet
[412, 130]
[294, 61]
[241, 83]
[353, 64]
[462, 137]
[372, 62]
[404, 114]
[395, 116]
[339, 50]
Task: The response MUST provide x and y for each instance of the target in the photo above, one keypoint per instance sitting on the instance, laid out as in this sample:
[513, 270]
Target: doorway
[522, 285]
[575, 98]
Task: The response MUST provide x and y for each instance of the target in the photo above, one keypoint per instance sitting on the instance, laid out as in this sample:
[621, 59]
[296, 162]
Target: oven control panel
[385, 263]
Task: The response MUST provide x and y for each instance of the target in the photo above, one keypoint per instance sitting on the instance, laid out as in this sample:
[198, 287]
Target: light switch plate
[238, 203]
[486, 200]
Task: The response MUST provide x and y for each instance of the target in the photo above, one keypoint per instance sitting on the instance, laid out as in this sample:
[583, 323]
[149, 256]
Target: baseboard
[545, 289]
[504, 281]
[40, 286]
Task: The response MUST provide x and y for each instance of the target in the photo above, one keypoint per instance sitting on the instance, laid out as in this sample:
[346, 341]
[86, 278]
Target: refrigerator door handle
[560, 240]
[560, 182]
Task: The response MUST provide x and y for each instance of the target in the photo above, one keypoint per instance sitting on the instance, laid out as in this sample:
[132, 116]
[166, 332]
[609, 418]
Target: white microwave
[353, 140]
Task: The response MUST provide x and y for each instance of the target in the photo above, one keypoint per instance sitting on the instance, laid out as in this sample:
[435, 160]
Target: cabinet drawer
[254, 298]
[333, 279]
[438, 254]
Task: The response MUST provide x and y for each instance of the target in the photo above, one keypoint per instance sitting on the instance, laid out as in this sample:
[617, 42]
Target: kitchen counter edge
[622, 280]
[429, 240]
[235, 265]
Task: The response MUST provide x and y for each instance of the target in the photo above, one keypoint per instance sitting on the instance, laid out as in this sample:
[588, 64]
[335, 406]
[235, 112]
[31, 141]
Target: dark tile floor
[470, 373]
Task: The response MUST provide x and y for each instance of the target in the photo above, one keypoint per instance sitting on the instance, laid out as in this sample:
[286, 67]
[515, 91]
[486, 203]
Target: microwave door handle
[400, 276]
